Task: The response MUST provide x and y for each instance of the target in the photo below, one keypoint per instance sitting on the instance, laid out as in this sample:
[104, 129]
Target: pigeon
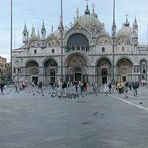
[95, 113]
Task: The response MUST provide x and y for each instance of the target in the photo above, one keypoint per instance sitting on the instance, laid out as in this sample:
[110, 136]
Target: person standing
[2, 87]
[106, 89]
[135, 87]
[16, 86]
[126, 90]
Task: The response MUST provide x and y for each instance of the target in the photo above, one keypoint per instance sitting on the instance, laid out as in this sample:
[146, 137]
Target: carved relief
[34, 71]
[76, 60]
[104, 41]
[123, 41]
[52, 42]
[34, 44]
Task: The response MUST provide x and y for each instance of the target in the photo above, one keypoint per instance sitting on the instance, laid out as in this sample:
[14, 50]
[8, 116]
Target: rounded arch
[50, 68]
[31, 62]
[76, 57]
[123, 39]
[51, 41]
[143, 71]
[123, 57]
[78, 41]
[79, 30]
[124, 61]
[76, 67]
[143, 60]
[103, 58]
[50, 60]
[103, 70]
[32, 69]
[124, 70]
[33, 43]
[103, 39]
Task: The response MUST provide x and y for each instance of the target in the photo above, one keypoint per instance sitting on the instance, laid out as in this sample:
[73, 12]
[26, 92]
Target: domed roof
[125, 30]
[88, 21]
[94, 14]
[57, 33]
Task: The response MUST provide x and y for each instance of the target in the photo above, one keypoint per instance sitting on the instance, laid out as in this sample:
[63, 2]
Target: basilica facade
[88, 53]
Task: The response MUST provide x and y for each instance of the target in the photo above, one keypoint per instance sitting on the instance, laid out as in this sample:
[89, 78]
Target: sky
[33, 12]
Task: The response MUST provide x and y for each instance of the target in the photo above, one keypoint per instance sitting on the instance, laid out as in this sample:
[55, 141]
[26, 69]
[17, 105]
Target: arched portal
[50, 70]
[143, 71]
[78, 41]
[32, 71]
[124, 70]
[103, 70]
[76, 68]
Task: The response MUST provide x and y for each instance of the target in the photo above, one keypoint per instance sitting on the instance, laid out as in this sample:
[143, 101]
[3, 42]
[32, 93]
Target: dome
[94, 14]
[88, 21]
[57, 33]
[125, 30]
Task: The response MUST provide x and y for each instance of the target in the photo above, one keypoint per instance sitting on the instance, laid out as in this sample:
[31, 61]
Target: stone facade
[2, 67]
[88, 53]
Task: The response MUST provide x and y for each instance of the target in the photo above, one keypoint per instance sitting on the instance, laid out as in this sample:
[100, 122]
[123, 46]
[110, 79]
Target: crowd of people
[80, 88]
[121, 87]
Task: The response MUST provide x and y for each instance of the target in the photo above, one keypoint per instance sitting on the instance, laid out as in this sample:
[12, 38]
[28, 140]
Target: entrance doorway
[78, 77]
[124, 78]
[104, 75]
[104, 80]
[35, 80]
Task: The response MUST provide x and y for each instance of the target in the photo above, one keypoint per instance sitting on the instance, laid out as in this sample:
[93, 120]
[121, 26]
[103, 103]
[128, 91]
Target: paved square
[30, 120]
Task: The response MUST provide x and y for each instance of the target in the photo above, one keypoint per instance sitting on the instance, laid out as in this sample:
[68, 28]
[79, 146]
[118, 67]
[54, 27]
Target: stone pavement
[30, 120]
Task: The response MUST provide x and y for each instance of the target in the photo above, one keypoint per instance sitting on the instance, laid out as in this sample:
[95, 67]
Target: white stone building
[88, 53]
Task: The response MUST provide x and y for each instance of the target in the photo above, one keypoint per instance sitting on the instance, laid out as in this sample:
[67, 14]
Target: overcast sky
[34, 11]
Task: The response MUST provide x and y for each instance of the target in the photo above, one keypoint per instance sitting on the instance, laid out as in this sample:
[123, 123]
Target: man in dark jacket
[135, 87]
[2, 87]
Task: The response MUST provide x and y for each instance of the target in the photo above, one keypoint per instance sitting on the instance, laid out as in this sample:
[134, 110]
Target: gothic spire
[77, 13]
[135, 25]
[43, 31]
[38, 33]
[25, 27]
[127, 22]
[33, 34]
[43, 25]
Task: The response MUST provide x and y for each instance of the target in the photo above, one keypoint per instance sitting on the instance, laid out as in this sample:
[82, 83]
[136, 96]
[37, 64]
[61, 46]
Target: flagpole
[11, 38]
[113, 44]
[61, 31]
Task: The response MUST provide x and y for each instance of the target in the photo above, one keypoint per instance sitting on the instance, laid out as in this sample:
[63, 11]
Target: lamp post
[113, 43]
[62, 43]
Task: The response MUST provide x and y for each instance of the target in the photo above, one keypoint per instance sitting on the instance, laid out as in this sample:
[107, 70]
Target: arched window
[123, 49]
[35, 51]
[143, 69]
[78, 41]
[52, 50]
[104, 72]
[103, 49]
